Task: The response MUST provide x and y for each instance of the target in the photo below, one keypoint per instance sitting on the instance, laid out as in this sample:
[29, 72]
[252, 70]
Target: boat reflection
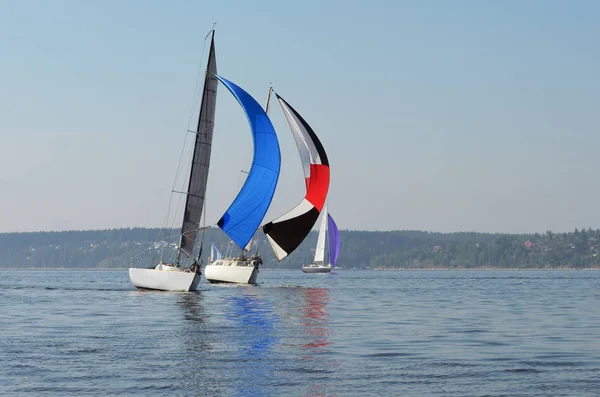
[200, 346]
[316, 326]
[253, 343]
[193, 308]
[195, 328]
[315, 317]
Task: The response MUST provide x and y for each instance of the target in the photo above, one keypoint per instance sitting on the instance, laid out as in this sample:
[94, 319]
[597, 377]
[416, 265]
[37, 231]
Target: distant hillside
[391, 249]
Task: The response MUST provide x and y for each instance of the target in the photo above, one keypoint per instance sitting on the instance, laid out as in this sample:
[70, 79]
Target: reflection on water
[201, 341]
[195, 327]
[362, 333]
[316, 328]
[253, 341]
[315, 317]
[193, 309]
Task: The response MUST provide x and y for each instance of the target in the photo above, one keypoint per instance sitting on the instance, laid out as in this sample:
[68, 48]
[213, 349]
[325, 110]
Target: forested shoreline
[403, 249]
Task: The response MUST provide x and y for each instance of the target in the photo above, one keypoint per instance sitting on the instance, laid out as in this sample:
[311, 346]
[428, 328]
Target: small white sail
[320, 251]
[215, 254]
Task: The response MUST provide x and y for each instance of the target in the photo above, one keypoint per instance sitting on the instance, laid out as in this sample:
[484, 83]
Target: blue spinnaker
[244, 215]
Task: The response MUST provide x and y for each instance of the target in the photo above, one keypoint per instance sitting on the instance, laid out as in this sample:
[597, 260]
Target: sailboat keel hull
[316, 269]
[230, 273]
[162, 280]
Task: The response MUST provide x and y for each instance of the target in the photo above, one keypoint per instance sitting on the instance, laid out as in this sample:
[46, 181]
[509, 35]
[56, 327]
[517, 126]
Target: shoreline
[487, 269]
[104, 269]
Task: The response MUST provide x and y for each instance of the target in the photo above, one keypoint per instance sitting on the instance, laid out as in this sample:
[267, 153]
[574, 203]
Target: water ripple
[467, 333]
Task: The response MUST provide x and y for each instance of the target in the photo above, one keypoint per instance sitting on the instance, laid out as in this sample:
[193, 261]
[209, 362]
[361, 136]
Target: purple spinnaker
[334, 241]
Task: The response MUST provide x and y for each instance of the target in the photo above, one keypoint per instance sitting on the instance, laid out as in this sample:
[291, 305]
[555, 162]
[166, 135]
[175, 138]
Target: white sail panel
[320, 250]
[306, 148]
[215, 254]
[280, 253]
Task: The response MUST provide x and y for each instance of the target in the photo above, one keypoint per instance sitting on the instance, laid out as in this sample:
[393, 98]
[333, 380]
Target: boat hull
[316, 269]
[162, 280]
[233, 270]
[231, 274]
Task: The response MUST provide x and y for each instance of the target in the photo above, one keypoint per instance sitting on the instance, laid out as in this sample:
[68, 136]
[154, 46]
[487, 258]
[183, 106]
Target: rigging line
[197, 93]
[173, 187]
[192, 107]
[171, 237]
[152, 242]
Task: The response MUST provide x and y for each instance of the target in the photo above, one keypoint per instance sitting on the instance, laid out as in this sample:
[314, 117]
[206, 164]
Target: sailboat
[245, 213]
[289, 230]
[319, 266]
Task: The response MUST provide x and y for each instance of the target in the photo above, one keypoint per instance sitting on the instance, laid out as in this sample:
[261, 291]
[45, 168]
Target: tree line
[406, 249]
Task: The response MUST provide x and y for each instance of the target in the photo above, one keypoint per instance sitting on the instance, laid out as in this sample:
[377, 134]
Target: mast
[196, 191]
[268, 99]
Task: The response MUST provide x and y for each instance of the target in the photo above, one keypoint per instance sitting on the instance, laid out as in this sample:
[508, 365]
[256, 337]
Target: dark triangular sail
[201, 158]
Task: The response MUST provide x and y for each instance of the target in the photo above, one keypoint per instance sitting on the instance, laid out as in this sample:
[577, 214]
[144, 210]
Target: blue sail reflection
[255, 343]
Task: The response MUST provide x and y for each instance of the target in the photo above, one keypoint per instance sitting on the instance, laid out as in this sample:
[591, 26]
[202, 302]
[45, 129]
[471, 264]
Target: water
[354, 333]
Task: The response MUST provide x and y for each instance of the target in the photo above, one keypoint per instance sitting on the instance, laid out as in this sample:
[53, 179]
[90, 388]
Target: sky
[436, 115]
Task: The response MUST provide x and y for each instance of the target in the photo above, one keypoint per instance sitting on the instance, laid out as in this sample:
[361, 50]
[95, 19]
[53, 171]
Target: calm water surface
[352, 333]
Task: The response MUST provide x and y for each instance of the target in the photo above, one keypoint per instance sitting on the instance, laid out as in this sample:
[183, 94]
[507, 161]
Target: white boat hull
[231, 271]
[164, 280]
[316, 269]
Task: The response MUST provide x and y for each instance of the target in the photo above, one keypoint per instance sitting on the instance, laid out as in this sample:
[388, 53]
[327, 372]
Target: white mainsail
[320, 251]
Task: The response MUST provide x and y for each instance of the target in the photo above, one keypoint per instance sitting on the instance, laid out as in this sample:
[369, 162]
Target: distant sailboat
[244, 215]
[318, 265]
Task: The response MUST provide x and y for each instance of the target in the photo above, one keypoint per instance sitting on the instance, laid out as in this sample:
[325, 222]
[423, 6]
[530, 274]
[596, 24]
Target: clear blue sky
[436, 115]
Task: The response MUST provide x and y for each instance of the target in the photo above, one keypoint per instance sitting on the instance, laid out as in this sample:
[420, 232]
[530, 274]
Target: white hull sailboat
[289, 230]
[312, 268]
[232, 270]
[318, 266]
[240, 270]
[245, 213]
[165, 277]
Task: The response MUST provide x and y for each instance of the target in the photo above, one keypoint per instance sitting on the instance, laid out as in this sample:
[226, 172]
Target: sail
[200, 159]
[215, 254]
[320, 250]
[247, 211]
[267, 106]
[334, 240]
[289, 230]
